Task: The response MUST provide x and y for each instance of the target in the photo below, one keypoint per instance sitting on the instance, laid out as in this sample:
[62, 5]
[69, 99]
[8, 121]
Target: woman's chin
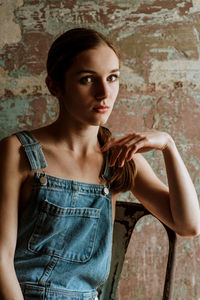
[102, 119]
[100, 122]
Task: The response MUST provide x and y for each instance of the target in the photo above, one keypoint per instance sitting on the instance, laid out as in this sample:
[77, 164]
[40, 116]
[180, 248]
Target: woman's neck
[79, 138]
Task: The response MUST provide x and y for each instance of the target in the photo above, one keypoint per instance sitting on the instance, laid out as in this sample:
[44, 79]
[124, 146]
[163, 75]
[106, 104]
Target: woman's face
[91, 86]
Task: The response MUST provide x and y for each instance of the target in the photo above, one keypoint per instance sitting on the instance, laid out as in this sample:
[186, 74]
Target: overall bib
[64, 239]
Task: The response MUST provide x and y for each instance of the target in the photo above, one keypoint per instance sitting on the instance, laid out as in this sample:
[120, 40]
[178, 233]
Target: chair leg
[170, 270]
[127, 215]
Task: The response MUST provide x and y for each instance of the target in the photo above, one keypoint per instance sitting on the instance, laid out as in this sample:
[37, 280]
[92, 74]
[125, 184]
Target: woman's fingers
[116, 142]
[121, 148]
[122, 156]
[128, 150]
[124, 148]
[114, 156]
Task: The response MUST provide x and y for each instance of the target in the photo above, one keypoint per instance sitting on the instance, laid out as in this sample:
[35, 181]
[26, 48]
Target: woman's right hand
[125, 147]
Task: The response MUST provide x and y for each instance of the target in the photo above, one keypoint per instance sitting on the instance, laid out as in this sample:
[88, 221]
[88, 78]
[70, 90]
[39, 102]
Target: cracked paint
[159, 42]
[9, 30]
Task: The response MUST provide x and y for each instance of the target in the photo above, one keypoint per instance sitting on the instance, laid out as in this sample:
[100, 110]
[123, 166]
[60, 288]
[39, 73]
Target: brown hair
[121, 179]
[60, 57]
[67, 46]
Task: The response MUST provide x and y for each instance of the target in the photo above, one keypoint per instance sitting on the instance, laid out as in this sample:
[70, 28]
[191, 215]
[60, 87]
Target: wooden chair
[127, 215]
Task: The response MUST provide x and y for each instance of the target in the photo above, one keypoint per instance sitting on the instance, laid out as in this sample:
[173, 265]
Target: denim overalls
[64, 239]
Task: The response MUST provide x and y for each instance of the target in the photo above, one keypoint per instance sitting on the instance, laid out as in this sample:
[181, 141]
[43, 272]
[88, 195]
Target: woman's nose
[101, 90]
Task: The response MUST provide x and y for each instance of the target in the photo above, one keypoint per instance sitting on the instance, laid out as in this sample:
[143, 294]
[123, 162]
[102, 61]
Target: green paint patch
[16, 73]
[16, 114]
[2, 64]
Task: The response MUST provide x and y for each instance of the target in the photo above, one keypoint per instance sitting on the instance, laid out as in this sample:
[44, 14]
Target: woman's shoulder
[10, 158]
[143, 168]
[43, 135]
[11, 154]
[139, 161]
[9, 144]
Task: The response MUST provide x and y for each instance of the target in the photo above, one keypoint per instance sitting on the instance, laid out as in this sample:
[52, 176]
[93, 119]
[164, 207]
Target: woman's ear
[53, 86]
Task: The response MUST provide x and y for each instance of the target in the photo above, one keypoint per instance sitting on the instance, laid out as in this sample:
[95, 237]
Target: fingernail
[120, 164]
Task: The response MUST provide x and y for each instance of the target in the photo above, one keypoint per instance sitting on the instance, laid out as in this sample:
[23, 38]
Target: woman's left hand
[125, 147]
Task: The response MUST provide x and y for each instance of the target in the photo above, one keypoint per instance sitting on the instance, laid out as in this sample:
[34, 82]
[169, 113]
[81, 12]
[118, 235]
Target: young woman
[59, 183]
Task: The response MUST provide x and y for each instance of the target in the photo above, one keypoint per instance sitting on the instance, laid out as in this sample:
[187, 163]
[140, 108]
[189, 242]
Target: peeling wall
[159, 41]
[9, 31]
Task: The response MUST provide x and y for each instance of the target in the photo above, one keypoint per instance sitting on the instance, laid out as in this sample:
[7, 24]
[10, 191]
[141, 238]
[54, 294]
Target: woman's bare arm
[11, 178]
[177, 206]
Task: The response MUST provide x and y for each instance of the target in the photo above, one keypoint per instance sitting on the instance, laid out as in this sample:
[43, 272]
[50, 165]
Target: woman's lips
[101, 109]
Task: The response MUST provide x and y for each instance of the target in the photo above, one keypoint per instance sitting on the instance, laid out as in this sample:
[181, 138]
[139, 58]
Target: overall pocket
[68, 233]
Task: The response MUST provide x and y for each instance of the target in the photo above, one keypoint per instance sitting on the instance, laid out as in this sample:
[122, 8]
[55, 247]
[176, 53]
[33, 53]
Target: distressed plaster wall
[159, 42]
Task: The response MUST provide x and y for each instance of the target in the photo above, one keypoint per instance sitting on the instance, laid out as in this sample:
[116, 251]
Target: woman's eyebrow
[86, 71]
[115, 70]
[93, 72]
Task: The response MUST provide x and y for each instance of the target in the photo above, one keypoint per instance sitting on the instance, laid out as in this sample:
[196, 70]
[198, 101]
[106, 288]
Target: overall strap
[33, 150]
[106, 170]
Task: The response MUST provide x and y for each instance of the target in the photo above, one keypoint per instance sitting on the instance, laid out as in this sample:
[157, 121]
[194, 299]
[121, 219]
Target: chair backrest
[127, 215]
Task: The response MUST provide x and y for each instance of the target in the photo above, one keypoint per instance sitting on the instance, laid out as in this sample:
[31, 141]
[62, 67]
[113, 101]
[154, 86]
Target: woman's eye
[113, 78]
[86, 79]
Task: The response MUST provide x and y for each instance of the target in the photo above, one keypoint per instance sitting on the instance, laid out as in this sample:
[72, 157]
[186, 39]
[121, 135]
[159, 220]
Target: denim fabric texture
[64, 239]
